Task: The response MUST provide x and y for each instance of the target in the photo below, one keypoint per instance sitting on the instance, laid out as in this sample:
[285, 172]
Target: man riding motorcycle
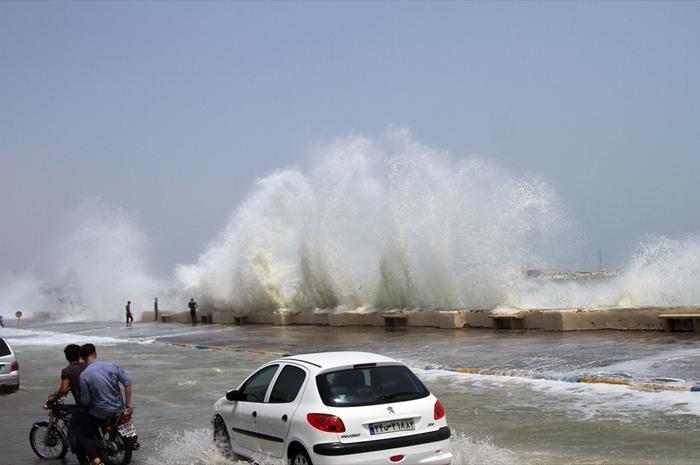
[70, 382]
[101, 396]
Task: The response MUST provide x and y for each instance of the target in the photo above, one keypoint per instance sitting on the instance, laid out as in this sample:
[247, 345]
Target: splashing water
[103, 264]
[195, 447]
[662, 272]
[380, 223]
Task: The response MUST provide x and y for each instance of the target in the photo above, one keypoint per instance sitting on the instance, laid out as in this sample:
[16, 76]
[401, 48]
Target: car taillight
[15, 366]
[326, 423]
[439, 410]
[396, 458]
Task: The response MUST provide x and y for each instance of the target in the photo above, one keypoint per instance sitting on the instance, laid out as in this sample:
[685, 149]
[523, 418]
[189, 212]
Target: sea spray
[21, 293]
[384, 222]
[381, 223]
[663, 271]
[103, 263]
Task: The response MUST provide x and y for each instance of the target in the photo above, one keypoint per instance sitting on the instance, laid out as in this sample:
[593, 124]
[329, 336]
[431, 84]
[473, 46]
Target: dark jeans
[88, 425]
[129, 318]
[193, 314]
[74, 427]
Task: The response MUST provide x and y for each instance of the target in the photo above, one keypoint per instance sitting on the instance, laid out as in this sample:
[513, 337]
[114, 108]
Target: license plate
[127, 430]
[392, 426]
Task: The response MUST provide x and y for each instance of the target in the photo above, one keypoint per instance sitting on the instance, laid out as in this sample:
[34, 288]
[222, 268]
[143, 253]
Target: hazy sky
[174, 109]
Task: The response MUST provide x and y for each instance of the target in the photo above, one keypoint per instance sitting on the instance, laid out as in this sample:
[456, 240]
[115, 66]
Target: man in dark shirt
[129, 315]
[70, 382]
[193, 311]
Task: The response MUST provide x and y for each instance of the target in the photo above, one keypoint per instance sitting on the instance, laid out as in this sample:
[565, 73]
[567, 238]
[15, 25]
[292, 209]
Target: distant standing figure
[1, 323]
[155, 307]
[193, 311]
[129, 316]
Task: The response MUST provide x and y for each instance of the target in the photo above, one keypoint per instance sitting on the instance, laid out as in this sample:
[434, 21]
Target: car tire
[221, 438]
[300, 457]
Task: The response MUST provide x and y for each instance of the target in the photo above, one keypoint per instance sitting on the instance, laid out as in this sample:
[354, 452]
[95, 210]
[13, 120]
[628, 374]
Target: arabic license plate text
[392, 426]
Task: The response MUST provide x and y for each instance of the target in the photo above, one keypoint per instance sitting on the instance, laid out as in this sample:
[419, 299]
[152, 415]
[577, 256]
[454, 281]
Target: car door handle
[255, 414]
[284, 417]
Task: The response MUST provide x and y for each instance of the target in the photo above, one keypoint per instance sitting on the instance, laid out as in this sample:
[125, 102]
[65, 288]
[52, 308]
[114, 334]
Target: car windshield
[369, 386]
[4, 349]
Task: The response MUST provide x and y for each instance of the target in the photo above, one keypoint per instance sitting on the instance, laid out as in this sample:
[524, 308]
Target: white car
[334, 408]
[9, 368]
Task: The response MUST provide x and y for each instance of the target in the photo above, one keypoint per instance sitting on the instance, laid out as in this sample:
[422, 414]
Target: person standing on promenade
[129, 315]
[155, 308]
[193, 311]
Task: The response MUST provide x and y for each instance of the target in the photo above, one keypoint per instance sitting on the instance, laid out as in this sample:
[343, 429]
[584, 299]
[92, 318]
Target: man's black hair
[86, 350]
[72, 352]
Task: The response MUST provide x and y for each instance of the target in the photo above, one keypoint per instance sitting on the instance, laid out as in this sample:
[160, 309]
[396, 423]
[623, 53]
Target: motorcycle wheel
[123, 457]
[47, 443]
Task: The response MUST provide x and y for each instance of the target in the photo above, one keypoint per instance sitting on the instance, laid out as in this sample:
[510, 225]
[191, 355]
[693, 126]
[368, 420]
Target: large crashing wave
[384, 223]
[374, 222]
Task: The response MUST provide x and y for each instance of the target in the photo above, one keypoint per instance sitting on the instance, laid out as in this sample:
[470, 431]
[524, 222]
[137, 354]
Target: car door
[276, 414]
[245, 431]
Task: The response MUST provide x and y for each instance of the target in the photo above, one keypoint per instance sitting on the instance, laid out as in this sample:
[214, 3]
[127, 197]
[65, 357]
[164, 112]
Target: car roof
[328, 360]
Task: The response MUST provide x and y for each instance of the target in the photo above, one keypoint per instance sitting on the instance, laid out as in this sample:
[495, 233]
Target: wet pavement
[498, 420]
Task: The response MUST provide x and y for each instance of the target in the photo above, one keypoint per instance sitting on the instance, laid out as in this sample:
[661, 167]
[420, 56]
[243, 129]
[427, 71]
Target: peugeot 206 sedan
[334, 408]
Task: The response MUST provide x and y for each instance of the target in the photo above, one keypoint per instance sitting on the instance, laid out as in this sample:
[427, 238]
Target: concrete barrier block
[283, 318]
[450, 319]
[355, 319]
[533, 319]
[479, 319]
[260, 318]
[312, 318]
[551, 320]
[223, 317]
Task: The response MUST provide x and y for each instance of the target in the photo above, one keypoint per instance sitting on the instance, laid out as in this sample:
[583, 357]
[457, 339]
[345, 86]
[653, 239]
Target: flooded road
[496, 419]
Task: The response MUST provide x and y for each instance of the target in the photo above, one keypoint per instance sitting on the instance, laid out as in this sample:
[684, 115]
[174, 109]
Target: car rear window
[369, 386]
[4, 349]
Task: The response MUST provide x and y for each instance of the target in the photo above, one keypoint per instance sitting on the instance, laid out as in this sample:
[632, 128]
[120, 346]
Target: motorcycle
[115, 441]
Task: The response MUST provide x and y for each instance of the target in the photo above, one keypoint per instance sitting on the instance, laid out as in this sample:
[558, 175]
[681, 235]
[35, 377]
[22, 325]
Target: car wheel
[300, 457]
[221, 438]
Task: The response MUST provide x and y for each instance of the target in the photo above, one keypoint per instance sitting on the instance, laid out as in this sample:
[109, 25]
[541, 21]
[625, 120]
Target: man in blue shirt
[101, 396]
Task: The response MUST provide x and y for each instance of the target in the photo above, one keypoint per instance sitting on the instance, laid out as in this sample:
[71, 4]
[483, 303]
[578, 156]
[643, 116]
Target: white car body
[277, 429]
[9, 368]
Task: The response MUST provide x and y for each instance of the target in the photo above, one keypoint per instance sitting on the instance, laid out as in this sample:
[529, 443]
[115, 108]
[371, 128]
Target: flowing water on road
[496, 419]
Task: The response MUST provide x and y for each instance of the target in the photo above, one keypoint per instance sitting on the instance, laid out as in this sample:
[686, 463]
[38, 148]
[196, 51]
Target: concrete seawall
[564, 319]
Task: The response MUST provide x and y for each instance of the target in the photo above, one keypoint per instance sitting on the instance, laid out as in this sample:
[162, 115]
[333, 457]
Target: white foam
[196, 447]
[375, 223]
[583, 400]
[29, 337]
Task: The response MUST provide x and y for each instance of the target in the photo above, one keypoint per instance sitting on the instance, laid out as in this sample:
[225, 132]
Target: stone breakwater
[564, 319]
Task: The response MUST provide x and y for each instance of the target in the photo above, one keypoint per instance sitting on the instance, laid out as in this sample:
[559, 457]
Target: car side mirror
[233, 395]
